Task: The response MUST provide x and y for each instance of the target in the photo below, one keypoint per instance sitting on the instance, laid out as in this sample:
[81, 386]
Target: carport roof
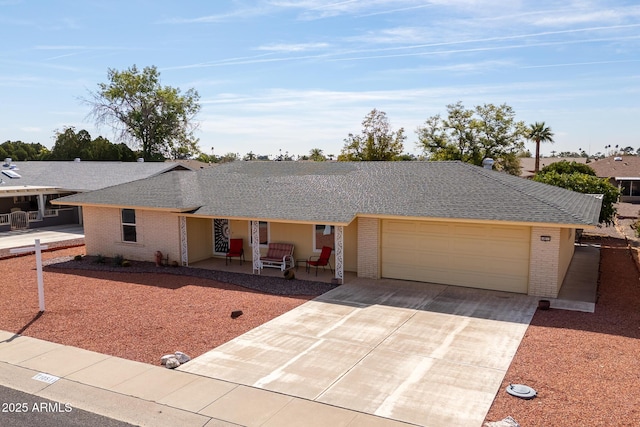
[335, 192]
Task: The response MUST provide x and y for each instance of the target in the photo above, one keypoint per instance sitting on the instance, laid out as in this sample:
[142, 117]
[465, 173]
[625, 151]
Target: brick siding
[156, 231]
[544, 263]
[369, 248]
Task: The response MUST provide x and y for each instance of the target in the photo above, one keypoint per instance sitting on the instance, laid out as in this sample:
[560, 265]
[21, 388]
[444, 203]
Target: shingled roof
[623, 167]
[84, 176]
[335, 192]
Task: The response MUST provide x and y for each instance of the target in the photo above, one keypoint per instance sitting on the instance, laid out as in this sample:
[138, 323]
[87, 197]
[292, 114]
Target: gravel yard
[584, 366]
[136, 315]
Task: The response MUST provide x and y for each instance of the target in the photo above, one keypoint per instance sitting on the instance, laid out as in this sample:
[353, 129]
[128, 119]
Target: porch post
[41, 206]
[339, 248]
[184, 248]
[255, 246]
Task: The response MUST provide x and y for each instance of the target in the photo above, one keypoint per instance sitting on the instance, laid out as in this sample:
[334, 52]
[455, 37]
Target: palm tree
[317, 155]
[538, 132]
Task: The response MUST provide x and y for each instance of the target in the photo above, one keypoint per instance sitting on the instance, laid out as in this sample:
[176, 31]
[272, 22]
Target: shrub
[77, 258]
[586, 184]
[117, 260]
[565, 167]
[126, 263]
[100, 259]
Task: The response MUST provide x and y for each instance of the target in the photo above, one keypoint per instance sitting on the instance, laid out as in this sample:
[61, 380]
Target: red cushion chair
[321, 261]
[236, 249]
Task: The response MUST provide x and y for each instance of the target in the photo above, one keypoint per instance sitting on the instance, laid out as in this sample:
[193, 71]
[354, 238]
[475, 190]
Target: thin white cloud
[293, 47]
[390, 11]
[604, 15]
[60, 47]
[233, 15]
[321, 9]
[31, 129]
[368, 54]
[579, 64]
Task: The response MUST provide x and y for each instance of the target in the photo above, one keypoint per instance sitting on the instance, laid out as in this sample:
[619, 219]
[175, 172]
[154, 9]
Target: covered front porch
[299, 272]
[25, 207]
[205, 241]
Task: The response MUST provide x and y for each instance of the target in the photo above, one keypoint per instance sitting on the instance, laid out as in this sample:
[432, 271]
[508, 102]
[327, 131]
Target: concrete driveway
[420, 353]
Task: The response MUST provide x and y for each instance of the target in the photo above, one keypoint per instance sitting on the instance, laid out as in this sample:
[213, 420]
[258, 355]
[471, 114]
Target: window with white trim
[263, 230]
[323, 235]
[129, 233]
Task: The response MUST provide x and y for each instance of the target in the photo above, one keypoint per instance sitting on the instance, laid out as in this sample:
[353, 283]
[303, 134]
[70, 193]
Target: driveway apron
[420, 353]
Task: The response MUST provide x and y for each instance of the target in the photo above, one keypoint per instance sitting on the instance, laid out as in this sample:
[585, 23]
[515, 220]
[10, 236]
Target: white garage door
[478, 256]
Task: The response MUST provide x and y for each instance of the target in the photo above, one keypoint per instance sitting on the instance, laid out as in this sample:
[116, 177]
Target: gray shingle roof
[84, 176]
[334, 192]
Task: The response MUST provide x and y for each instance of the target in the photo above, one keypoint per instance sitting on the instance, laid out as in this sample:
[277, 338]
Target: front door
[221, 235]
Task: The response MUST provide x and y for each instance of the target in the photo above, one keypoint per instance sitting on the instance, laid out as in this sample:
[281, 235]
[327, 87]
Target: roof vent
[140, 160]
[7, 162]
[487, 163]
[77, 159]
[617, 159]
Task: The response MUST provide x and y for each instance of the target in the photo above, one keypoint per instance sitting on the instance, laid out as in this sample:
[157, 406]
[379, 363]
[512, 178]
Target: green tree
[229, 157]
[471, 135]
[250, 156]
[317, 155]
[21, 151]
[71, 144]
[377, 142]
[539, 132]
[587, 184]
[158, 119]
[206, 158]
[565, 167]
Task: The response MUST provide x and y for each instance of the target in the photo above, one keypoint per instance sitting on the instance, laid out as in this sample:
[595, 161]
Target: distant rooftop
[80, 175]
[617, 166]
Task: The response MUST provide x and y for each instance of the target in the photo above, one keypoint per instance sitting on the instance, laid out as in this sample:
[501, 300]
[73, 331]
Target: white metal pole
[39, 273]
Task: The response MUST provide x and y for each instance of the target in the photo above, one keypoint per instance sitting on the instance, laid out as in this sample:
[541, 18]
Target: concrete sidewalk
[59, 236]
[149, 395]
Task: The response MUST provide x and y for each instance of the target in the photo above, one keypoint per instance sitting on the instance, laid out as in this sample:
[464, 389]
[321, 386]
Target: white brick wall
[544, 262]
[369, 248]
[156, 231]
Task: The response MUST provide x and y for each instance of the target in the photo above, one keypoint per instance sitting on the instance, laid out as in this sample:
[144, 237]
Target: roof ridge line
[546, 202]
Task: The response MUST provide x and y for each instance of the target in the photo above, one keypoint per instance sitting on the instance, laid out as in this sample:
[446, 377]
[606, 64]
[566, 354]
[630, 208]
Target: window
[323, 235]
[129, 225]
[263, 229]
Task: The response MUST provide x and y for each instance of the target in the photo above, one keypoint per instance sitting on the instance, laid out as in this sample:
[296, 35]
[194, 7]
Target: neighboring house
[440, 222]
[623, 172]
[27, 188]
[528, 164]
[193, 164]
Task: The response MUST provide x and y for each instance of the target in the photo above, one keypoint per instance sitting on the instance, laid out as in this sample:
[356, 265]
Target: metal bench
[279, 255]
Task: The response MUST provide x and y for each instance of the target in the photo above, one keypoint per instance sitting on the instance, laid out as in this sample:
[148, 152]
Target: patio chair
[236, 249]
[321, 261]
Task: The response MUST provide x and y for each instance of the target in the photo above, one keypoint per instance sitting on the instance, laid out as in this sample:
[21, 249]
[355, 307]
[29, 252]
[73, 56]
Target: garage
[474, 255]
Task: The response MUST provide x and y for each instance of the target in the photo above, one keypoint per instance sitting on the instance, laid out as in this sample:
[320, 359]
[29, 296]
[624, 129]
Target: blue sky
[295, 75]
